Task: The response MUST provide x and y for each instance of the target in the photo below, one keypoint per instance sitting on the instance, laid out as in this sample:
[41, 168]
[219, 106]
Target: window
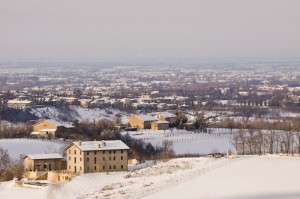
[45, 166]
[121, 157]
[121, 166]
[88, 168]
[95, 152]
[114, 158]
[87, 153]
[69, 151]
[103, 158]
[109, 167]
[75, 152]
[95, 160]
[80, 168]
[74, 159]
[103, 167]
[114, 166]
[103, 152]
[114, 151]
[80, 159]
[95, 168]
[121, 151]
[109, 152]
[87, 159]
[69, 157]
[80, 152]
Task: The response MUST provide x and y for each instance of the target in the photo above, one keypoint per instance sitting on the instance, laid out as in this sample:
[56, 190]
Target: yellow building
[142, 121]
[171, 118]
[97, 156]
[49, 128]
[44, 162]
[160, 125]
[19, 104]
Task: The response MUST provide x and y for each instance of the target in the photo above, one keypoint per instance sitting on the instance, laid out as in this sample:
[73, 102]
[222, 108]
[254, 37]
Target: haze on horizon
[148, 29]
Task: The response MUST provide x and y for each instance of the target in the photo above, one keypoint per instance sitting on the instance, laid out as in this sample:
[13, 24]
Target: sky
[149, 29]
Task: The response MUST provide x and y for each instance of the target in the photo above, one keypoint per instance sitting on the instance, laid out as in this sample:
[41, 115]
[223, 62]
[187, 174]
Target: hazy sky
[149, 29]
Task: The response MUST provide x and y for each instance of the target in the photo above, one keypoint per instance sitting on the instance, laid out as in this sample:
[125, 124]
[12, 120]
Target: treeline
[16, 115]
[258, 141]
[104, 129]
[283, 124]
[14, 131]
[9, 168]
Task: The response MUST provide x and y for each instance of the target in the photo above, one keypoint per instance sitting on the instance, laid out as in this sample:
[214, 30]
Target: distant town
[117, 118]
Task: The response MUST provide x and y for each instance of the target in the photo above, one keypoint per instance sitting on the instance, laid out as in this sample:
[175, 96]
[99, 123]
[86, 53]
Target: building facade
[141, 121]
[97, 156]
[49, 128]
[44, 162]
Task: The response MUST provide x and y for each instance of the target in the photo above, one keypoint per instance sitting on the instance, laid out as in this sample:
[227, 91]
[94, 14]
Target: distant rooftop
[104, 145]
[162, 122]
[166, 114]
[44, 156]
[147, 117]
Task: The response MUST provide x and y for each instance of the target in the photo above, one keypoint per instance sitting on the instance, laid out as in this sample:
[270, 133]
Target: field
[17, 147]
[251, 177]
[189, 142]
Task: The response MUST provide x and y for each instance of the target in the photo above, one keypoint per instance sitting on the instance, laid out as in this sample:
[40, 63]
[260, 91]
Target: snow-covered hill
[254, 178]
[79, 113]
[270, 177]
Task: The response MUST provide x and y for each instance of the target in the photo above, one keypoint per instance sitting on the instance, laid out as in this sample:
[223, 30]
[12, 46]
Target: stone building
[97, 156]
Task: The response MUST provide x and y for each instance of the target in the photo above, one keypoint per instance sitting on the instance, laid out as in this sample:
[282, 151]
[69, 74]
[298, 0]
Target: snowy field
[267, 177]
[17, 147]
[133, 184]
[188, 142]
[254, 178]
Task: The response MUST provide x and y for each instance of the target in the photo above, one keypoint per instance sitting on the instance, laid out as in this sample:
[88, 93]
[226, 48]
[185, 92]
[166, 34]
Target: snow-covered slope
[268, 177]
[254, 178]
[80, 113]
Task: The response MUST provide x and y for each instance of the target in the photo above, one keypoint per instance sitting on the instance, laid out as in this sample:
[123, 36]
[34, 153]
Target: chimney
[99, 145]
[79, 142]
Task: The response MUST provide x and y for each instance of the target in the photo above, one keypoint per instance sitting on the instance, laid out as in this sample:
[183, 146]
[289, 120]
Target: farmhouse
[97, 156]
[49, 167]
[171, 118]
[44, 162]
[49, 128]
[160, 125]
[19, 104]
[142, 121]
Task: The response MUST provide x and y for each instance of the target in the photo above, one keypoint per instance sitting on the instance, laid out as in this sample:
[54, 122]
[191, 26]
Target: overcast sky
[149, 29]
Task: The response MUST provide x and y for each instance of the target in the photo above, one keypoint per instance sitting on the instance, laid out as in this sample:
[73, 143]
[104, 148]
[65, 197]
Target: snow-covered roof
[68, 126]
[166, 114]
[15, 101]
[162, 122]
[34, 133]
[44, 156]
[147, 117]
[56, 123]
[104, 145]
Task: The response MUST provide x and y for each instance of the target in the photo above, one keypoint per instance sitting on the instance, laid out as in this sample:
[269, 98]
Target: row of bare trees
[251, 141]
